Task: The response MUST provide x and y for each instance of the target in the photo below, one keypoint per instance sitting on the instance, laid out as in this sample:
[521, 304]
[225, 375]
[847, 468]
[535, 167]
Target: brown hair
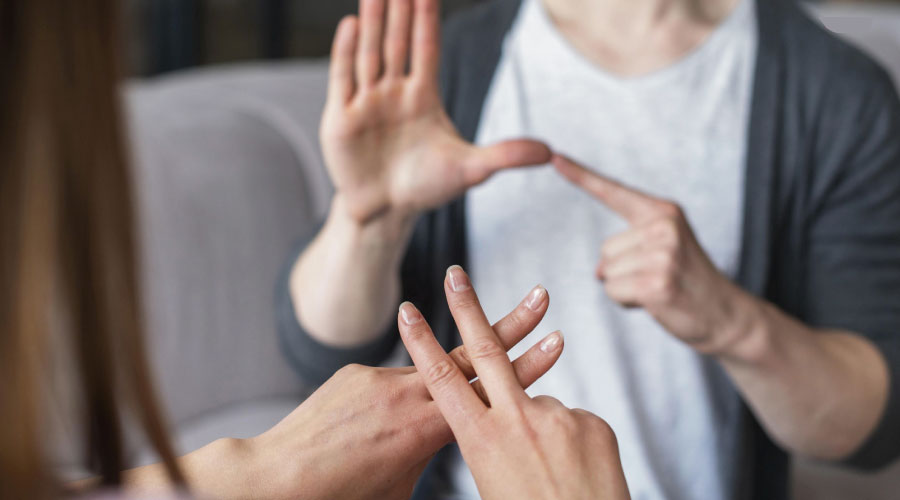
[68, 281]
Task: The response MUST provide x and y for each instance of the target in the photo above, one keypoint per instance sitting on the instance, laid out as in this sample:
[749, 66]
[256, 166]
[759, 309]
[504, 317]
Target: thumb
[631, 204]
[482, 162]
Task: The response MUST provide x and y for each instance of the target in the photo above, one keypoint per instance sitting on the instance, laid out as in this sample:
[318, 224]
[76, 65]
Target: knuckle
[440, 373]
[664, 288]
[668, 262]
[519, 319]
[670, 210]
[461, 355]
[419, 331]
[582, 413]
[466, 302]
[609, 247]
[666, 232]
[545, 400]
[605, 251]
[485, 349]
[351, 370]
[565, 421]
[361, 375]
[602, 432]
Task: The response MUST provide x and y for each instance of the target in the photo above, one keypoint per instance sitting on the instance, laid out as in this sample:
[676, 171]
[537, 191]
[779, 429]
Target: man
[753, 236]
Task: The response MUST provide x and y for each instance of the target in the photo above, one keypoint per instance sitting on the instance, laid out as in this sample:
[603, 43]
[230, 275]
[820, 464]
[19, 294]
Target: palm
[388, 143]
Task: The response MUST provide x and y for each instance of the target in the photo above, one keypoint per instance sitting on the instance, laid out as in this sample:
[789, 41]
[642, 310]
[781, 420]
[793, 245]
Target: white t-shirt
[679, 133]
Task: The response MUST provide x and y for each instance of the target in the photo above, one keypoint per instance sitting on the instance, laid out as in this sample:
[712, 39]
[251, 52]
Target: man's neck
[631, 37]
[640, 15]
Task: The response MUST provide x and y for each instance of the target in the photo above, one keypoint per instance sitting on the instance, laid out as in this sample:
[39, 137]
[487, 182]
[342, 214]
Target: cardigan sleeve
[852, 265]
[436, 243]
[312, 360]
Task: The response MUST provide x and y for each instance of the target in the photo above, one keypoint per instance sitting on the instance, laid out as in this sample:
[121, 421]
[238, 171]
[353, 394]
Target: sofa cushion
[229, 176]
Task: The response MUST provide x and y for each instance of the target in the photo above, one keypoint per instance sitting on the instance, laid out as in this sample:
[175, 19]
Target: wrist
[385, 233]
[226, 468]
[746, 337]
[246, 455]
[388, 225]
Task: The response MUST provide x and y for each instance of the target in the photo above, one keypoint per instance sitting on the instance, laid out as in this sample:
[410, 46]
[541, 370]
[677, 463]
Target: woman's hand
[388, 144]
[516, 447]
[369, 432]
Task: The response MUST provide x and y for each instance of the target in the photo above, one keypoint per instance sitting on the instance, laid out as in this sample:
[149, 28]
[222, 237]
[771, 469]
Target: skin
[367, 433]
[516, 446]
[631, 38]
[392, 153]
[818, 392]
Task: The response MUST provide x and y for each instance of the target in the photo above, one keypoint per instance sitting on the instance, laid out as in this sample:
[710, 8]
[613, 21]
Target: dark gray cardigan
[821, 236]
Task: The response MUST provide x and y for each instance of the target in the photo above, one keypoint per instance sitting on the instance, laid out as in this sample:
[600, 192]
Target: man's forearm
[346, 285]
[818, 393]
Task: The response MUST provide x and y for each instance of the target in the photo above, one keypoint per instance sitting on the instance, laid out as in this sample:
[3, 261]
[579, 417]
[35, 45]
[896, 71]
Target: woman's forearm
[223, 469]
[818, 393]
[346, 285]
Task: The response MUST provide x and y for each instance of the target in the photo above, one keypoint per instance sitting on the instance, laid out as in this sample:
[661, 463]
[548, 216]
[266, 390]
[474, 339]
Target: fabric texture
[821, 225]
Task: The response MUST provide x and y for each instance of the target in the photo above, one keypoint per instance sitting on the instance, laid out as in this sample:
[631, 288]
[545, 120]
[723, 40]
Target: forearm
[223, 469]
[346, 285]
[818, 393]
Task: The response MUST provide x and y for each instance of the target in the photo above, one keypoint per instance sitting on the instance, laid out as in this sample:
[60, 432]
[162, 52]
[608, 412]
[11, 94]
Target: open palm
[388, 143]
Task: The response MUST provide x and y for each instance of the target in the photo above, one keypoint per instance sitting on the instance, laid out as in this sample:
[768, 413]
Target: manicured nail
[459, 280]
[552, 342]
[536, 298]
[410, 314]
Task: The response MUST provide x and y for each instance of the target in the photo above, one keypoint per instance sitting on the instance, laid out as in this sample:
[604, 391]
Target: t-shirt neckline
[535, 14]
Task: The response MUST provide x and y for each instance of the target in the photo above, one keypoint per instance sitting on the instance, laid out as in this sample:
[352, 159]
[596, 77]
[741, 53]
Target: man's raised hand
[388, 143]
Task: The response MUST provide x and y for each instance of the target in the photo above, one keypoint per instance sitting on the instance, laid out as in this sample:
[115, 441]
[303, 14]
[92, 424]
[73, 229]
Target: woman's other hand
[516, 446]
[368, 433]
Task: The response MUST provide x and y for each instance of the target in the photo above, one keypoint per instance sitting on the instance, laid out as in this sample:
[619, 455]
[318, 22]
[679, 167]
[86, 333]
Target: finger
[368, 55]
[624, 242]
[426, 45]
[482, 162]
[631, 204]
[532, 365]
[446, 384]
[396, 40]
[538, 359]
[632, 290]
[634, 263]
[343, 50]
[484, 349]
[514, 327]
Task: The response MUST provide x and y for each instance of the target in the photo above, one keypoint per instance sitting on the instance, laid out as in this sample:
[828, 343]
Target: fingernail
[536, 298]
[552, 342]
[459, 280]
[410, 313]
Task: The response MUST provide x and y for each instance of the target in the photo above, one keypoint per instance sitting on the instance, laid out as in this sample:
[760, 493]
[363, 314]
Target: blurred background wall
[167, 35]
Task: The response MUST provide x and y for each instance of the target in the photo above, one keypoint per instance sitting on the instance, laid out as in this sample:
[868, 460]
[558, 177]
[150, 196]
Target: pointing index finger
[635, 206]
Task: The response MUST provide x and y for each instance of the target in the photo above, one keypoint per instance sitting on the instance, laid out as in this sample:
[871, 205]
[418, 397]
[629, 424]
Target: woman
[69, 306]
